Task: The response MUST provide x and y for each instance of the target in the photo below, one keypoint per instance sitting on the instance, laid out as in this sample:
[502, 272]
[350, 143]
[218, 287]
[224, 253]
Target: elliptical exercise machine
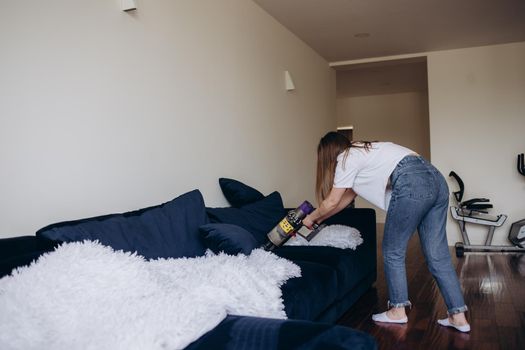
[475, 211]
[517, 229]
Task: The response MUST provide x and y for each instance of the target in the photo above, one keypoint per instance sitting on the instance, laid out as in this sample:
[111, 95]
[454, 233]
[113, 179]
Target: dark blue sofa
[332, 279]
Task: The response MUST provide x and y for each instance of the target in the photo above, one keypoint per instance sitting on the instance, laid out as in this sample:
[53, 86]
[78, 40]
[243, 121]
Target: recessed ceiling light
[362, 35]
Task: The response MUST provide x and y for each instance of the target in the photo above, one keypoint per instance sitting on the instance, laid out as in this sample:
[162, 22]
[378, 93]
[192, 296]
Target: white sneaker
[445, 322]
[382, 317]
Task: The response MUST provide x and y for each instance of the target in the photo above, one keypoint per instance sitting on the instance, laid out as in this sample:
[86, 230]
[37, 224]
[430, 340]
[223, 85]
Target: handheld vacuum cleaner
[290, 225]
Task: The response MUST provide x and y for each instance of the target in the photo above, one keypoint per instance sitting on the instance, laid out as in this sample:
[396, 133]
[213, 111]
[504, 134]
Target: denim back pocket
[422, 185]
[417, 184]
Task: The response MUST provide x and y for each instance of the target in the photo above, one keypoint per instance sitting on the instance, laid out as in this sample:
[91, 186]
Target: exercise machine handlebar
[521, 164]
[458, 194]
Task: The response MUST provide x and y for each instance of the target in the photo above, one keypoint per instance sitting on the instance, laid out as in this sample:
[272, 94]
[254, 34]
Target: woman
[415, 196]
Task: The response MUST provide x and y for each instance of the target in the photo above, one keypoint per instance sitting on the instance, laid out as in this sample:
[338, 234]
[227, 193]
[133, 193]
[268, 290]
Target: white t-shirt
[368, 172]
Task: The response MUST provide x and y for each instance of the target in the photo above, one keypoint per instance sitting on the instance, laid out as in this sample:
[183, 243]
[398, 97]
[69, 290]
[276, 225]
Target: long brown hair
[330, 146]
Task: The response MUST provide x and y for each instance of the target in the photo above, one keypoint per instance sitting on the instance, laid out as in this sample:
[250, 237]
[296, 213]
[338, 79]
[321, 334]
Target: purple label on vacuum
[306, 207]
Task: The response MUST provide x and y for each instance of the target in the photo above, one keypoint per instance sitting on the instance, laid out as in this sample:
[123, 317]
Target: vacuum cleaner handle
[288, 226]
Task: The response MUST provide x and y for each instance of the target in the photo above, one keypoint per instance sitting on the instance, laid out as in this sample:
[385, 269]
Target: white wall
[477, 125]
[386, 103]
[104, 111]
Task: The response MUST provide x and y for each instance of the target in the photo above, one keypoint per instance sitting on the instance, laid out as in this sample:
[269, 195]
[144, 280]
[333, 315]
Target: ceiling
[394, 27]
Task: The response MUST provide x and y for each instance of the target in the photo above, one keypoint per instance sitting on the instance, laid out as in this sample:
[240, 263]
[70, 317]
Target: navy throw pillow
[169, 230]
[228, 238]
[239, 194]
[257, 218]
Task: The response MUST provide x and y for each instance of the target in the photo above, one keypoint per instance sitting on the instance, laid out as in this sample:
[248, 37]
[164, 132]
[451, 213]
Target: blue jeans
[419, 201]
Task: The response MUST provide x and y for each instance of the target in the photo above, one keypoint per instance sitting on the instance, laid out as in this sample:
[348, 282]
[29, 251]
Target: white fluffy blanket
[87, 296]
[339, 236]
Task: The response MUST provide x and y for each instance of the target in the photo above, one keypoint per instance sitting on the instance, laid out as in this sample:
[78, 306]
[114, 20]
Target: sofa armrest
[14, 246]
[20, 251]
[362, 219]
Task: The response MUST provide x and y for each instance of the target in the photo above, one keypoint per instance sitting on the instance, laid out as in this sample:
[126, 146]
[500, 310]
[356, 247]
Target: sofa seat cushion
[169, 230]
[351, 266]
[308, 296]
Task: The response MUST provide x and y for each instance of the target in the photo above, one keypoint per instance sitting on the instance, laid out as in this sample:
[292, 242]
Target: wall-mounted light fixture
[288, 82]
[128, 5]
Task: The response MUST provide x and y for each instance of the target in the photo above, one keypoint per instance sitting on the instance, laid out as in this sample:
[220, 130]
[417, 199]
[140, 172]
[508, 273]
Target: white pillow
[339, 236]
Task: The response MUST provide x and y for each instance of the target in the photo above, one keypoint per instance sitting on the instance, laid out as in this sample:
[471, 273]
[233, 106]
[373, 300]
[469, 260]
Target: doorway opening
[385, 101]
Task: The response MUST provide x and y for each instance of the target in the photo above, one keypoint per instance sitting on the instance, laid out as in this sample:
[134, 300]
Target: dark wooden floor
[494, 290]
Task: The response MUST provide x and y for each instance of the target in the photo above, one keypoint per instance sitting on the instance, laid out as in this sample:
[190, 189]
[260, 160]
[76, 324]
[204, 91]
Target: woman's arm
[337, 200]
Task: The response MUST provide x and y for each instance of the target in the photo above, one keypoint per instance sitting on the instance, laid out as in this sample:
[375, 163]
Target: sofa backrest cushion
[237, 193]
[169, 230]
[258, 218]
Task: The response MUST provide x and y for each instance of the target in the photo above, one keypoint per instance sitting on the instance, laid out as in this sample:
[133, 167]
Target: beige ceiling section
[337, 28]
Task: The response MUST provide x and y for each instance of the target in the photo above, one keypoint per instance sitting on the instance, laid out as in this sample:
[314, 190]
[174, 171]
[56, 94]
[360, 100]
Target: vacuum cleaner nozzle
[289, 226]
